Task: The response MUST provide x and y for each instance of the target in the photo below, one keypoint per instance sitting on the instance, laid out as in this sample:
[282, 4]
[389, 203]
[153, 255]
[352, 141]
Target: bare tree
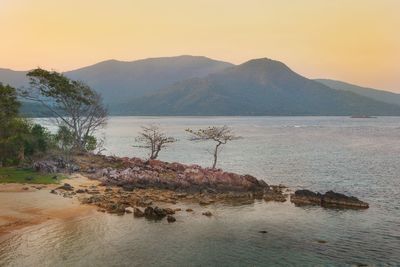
[221, 135]
[73, 103]
[151, 137]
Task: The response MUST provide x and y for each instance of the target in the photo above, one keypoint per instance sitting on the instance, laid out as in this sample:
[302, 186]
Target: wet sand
[23, 205]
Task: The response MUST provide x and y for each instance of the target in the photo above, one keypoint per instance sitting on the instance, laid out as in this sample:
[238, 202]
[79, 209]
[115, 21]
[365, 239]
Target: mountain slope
[13, 78]
[380, 95]
[118, 81]
[257, 87]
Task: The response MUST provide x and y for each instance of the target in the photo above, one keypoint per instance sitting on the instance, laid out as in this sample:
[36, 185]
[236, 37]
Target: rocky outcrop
[329, 199]
[306, 197]
[137, 173]
[332, 199]
[55, 165]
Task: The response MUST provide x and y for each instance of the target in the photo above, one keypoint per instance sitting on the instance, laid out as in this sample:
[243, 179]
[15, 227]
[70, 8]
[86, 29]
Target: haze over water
[359, 157]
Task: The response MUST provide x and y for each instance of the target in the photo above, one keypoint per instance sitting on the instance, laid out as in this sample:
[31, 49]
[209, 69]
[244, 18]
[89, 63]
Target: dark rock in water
[306, 197]
[189, 210]
[116, 208]
[138, 212]
[171, 218]
[329, 199]
[332, 199]
[155, 213]
[66, 187]
[263, 232]
[207, 213]
[321, 241]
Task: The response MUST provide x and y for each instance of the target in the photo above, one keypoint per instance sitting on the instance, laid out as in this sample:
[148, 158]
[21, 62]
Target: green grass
[28, 176]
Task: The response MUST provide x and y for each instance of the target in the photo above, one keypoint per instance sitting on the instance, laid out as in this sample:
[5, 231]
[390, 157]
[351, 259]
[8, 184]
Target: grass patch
[28, 176]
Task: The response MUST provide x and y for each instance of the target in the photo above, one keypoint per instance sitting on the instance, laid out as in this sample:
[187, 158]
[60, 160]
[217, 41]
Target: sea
[354, 156]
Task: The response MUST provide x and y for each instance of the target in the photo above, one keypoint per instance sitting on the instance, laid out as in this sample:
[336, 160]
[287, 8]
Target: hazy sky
[352, 40]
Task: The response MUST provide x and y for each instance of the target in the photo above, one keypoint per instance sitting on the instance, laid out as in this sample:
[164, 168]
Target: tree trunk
[216, 155]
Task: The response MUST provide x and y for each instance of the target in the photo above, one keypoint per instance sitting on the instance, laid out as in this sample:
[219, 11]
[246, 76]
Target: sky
[357, 41]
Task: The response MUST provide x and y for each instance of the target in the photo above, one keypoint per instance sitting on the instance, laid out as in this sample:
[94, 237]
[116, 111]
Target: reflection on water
[359, 157]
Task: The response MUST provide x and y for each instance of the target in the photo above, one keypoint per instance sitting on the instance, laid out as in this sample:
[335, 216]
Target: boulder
[66, 187]
[332, 199]
[171, 219]
[306, 197]
[138, 212]
[329, 200]
[207, 213]
[129, 210]
[155, 213]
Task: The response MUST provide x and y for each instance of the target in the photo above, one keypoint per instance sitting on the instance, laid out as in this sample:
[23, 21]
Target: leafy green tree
[18, 137]
[9, 104]
[10, 142]
[73, 103]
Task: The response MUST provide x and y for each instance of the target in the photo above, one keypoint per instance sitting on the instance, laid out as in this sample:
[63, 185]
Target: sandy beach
[23, 205]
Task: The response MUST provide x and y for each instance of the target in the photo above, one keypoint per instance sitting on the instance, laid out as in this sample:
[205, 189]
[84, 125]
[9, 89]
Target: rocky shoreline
[146, 188]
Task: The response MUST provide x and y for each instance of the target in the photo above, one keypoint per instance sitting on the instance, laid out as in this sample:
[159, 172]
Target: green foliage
[16, 175]
[64, 138]
[75, 104]
[90, 143]
[9, 104]
[18, 137]
[56, 86]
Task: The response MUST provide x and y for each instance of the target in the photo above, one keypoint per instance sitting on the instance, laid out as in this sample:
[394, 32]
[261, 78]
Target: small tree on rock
[152, 138]
[221, 135]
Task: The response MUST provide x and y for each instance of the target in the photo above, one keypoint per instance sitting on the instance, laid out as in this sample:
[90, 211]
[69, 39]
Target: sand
[23, 205]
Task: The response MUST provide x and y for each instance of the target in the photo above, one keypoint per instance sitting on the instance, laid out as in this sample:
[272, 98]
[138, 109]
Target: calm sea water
[360, 157]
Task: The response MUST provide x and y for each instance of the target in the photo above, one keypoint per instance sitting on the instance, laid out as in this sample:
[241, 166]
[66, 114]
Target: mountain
[380, 95]
[118, 80]
[191, 85]
[14, 78]
[257, 87]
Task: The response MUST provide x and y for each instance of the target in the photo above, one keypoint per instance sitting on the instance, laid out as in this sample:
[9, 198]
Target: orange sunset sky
[357, 41]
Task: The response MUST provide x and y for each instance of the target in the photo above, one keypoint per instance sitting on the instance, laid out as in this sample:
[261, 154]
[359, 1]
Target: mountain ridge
[256, 87]
[197, 85]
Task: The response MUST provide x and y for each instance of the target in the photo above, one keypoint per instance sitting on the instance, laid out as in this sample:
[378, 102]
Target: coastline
[151, 189]
[25, 205]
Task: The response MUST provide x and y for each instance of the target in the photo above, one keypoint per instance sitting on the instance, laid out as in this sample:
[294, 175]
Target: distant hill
[118, 80]
[380, 95]
[257, 87]
[191, 85]
[14, 78]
